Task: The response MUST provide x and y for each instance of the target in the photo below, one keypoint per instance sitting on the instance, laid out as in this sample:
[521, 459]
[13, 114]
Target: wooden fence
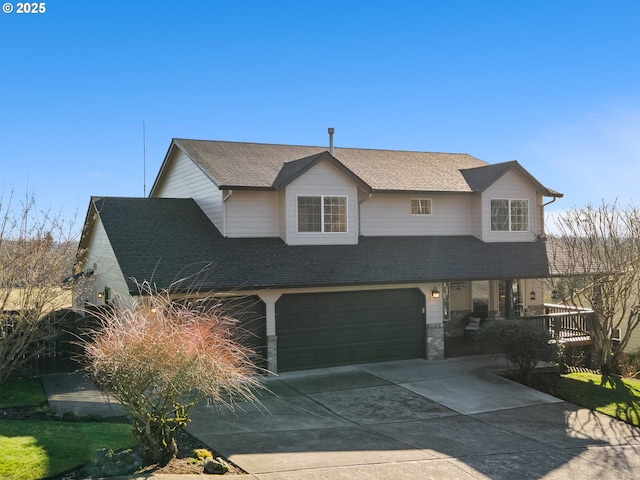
[61, 354]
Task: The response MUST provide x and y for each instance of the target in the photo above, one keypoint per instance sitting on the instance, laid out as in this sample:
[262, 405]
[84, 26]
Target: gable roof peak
[295, 168]
[481, 178]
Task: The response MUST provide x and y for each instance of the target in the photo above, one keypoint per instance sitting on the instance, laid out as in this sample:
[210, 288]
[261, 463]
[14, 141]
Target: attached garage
[251, 330]
[327, 329]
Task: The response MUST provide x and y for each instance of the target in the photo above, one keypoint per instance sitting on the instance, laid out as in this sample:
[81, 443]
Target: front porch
[568, 326]
[466, 346]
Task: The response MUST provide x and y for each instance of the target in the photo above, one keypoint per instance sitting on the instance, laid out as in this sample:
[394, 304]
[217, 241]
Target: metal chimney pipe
[331, 140]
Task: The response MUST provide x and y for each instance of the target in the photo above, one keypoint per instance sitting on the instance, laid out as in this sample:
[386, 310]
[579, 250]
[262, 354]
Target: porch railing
[565, 323]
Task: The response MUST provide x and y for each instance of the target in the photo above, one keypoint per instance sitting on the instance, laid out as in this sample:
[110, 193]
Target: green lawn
[33, 449]
[22, 392]
[614, 396]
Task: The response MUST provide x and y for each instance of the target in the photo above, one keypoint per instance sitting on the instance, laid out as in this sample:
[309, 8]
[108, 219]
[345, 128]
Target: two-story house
[346, 255]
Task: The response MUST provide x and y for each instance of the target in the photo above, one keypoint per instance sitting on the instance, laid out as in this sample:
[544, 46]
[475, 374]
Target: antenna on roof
[144, 162]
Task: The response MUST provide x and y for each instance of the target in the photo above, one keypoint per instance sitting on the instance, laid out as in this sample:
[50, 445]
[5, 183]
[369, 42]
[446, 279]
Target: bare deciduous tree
[159, 358]
[36, 255]
[597, 251]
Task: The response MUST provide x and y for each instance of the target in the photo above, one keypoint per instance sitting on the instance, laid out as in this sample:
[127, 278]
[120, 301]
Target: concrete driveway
[444, 419]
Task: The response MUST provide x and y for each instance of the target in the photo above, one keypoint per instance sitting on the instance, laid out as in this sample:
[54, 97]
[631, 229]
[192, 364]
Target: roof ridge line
[326, 147]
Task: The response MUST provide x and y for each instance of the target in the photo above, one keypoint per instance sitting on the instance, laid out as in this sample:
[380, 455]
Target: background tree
[597, 250]
[160, 358]
[36, 255]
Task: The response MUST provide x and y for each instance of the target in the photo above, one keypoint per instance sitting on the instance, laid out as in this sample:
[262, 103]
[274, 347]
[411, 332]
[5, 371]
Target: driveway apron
[446, 419]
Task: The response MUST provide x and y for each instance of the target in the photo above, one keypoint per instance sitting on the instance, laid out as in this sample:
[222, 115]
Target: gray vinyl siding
[538, 227]
[323, 179]
[252, 214]
[282, 215]
[634, 340]
[512, 186]
[390, 214]
[184, 179]
[476, 216]
[108, 272]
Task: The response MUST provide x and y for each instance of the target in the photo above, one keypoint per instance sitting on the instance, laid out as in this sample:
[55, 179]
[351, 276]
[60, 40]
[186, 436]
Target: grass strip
[22, 392]
[34, 449]
[613, 396]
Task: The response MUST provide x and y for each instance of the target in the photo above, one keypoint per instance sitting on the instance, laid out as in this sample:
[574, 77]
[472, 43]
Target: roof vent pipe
[331, 140]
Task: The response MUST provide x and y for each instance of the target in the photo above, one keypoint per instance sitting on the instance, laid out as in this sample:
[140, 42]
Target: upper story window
[322, 214]
[420, 206]
[509, 215]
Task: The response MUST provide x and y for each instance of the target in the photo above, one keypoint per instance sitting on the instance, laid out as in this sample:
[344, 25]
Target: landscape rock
[107, 463]
[214, 467]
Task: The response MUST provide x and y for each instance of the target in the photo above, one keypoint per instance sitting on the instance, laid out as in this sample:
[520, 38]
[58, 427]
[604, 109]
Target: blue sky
[552, 84]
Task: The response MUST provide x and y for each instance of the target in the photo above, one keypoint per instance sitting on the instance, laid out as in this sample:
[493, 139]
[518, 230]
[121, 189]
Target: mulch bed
[547, 381]
[22, 413]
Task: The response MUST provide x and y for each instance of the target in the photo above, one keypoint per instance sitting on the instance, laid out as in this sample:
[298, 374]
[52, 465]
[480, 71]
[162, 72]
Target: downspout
[542, 213]
[224, 211]
[360, 202]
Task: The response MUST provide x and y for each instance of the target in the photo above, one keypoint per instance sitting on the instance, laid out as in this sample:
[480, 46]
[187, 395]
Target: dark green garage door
[326, 329]
[251, 331]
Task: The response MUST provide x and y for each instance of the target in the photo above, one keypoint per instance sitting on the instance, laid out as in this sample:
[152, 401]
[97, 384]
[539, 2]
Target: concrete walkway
[76, 393]
[445, 419]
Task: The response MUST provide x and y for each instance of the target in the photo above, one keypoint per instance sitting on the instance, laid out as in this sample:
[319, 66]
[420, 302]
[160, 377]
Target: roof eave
[247, 187]
[553, 193]
[292, 286]
[175, 144]
[165, 162]
[88, 224]
[546, 192]
[423, 192]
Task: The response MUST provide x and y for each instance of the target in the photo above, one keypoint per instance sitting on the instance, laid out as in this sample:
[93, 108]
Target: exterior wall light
[532, 295]
[100, 294]
[435, 293]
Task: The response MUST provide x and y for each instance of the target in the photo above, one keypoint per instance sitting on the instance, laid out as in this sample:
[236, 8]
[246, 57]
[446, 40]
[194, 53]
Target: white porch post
[270, 298]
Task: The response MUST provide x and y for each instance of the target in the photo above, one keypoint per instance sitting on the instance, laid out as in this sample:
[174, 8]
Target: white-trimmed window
[420, 206]
[509, 215]
[322, 214]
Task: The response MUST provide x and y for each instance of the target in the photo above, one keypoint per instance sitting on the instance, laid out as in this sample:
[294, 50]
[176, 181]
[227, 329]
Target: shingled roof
[480, 178]
[234, 165]
[171, 242]
[292, 170]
